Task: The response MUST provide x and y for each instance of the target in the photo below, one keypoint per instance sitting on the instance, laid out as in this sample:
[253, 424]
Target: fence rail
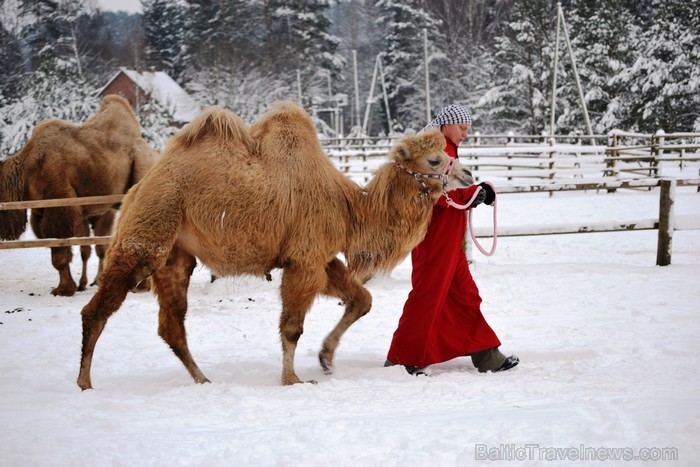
[518, 160]
[664, 223]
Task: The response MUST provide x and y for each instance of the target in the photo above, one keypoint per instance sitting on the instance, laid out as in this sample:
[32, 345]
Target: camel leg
[85, 252]
[60, 222]
[102, 227]
[170, 284]
[106, 301]
[60, 259]
[82, 229]
[299, 288]
[357, 300]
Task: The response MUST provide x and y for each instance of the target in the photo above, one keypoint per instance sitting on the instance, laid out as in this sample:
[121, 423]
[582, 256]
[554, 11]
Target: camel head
[423, 157]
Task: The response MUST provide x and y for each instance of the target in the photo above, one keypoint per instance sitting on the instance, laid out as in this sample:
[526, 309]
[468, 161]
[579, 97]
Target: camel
[103, 156]
[247, 200]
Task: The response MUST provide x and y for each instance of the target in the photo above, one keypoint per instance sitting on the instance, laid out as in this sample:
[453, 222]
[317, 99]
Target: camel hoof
[84, 385]
[326, 363]
[63, 291]
[202, 380]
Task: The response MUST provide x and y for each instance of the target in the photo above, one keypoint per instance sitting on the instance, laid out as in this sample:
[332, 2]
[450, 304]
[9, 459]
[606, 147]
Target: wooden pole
[54, 242]
[664, 247]
[576, 77]
[52, 203]
[427, 75]
[358, 123]
[365, 123]
[554, 75]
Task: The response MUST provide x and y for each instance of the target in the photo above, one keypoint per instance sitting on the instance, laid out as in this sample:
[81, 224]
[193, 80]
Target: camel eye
[434, 162]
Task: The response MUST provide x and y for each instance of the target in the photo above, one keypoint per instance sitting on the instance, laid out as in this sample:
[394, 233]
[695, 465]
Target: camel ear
[402, 152]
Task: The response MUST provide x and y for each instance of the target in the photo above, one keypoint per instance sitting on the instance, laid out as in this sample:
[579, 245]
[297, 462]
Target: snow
[607, 342]
[127, 6]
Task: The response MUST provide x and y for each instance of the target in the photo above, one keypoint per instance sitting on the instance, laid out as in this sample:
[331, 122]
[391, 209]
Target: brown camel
[104, 156]
[249, 200]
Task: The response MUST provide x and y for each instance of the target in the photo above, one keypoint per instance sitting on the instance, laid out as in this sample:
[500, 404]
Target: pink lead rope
[467, 207]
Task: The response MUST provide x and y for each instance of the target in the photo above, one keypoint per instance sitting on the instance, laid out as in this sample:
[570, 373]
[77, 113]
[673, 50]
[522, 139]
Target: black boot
[412, 370]
[509, 363]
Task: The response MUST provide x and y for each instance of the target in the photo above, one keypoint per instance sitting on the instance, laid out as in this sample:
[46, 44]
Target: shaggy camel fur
[246, 201]
[104, 156]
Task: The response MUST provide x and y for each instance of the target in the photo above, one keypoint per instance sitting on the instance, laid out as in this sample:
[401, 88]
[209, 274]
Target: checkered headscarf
[452, 114]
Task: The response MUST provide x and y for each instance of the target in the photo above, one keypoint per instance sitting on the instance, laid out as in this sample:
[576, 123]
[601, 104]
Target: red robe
[442, 317]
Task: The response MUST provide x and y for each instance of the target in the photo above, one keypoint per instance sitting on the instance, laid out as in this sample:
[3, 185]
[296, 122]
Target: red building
[139, 87]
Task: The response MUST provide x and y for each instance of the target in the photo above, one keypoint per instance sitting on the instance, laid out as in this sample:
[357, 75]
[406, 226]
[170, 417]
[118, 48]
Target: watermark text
[537, 452]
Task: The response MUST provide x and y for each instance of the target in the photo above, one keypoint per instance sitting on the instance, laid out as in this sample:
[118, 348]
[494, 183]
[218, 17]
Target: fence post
[666, 198]
[657, 141]
[612, 153]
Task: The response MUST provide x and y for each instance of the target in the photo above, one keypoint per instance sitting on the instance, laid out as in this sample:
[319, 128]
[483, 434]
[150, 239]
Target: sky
[130, 6]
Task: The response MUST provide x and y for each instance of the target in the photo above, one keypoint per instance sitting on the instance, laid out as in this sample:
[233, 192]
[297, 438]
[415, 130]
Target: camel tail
[13, 222]
[215, 122]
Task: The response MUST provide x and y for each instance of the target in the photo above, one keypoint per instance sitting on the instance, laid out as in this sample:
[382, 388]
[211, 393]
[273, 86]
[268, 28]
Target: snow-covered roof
[161, 87]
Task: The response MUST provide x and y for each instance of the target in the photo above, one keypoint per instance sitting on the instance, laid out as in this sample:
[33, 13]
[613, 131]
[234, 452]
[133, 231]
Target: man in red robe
[442, 317]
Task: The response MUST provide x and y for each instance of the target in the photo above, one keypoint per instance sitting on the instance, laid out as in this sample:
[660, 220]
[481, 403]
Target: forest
[638, 61]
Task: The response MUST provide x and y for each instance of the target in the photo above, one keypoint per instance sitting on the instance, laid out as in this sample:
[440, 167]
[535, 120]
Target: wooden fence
[664, 223]
[527, 160]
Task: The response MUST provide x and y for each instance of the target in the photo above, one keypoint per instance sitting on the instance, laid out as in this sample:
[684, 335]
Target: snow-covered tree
[601, 33]
[297, 37]
[11, 59]
[352, 21]
[662, 85]
[402, 59]
[55, 85]
[519, 99]
[165, 27]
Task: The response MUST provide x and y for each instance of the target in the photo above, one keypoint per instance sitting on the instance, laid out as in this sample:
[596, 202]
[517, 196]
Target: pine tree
[353, 23]
[297, 37]
[602, 32]
[519, 100]
[165, 25]
[11, 59]
[402, 60]
[662, 86]
[56, 86]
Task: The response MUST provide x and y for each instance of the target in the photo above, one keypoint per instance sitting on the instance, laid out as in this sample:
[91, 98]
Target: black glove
[490, 194]
[480, 197]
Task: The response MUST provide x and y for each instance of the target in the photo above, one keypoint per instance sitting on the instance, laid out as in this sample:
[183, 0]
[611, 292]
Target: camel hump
[214, 122]
[111, 100]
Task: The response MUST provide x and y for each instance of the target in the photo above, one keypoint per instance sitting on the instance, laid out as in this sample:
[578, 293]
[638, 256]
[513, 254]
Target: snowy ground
[607, 343]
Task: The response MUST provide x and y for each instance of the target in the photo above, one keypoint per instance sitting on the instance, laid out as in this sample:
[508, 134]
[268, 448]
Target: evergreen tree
[297, 37]
[457, 50]
[519, 100]
[38, 30]
[56, 86]
[403, 62]
[165, 25]
[11, 59]
[601, 33]
[662, 86]
[353, 23]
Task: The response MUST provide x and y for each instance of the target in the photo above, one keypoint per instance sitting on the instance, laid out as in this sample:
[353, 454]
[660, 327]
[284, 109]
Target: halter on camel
[420, 177]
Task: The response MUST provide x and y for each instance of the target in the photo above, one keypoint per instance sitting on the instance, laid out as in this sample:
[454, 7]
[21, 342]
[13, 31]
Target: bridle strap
[420, 177]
